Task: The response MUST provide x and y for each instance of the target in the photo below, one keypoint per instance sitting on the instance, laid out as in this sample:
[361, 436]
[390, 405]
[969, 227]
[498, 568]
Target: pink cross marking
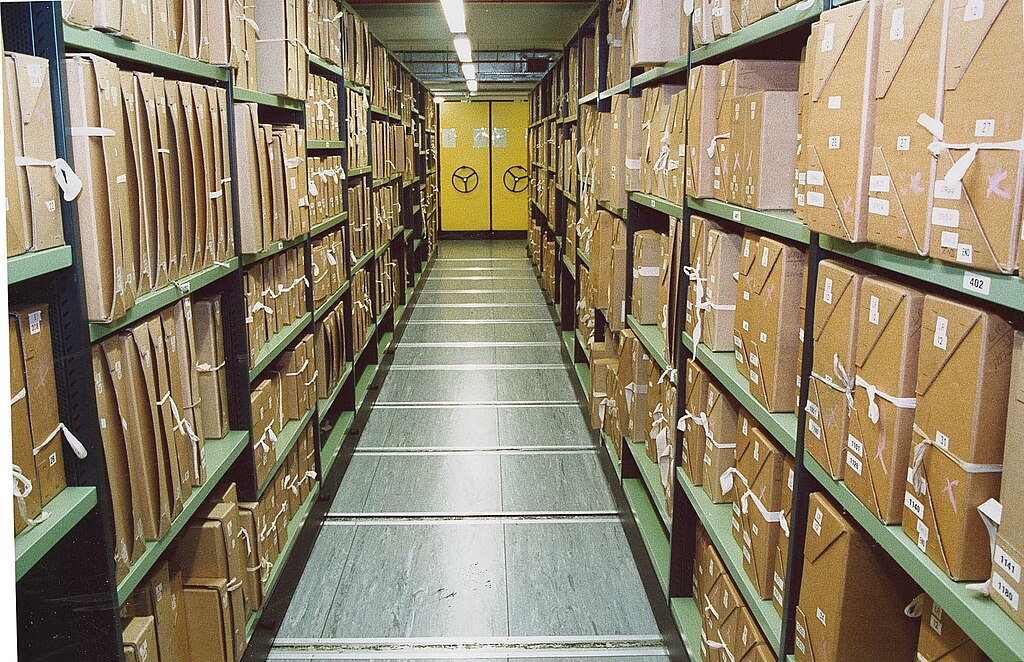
[994, 182]
[878, 456]
[848, 205]
[915, 183]
[950, 484]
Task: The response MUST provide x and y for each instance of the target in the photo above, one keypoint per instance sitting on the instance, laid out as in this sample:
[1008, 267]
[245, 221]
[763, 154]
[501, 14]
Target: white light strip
[463, 48]
[455, 14]
[469, 71]
[472, 85]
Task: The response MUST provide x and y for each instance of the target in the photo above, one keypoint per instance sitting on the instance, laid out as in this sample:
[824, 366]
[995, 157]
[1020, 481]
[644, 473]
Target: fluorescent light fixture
[455, 14]
[469, 71]
[439, 100]
[472, 84]
[463, 48]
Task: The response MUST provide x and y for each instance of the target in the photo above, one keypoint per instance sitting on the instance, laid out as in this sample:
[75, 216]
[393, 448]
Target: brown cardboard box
[248, 517]
[210, 609]
[942, 640]
[759, 495]
[27, 501]
[742, 316]
[701, 25]
[694, 421]
[166, 609]
[839, 134]
[803, 107]
[184, 388]
[140, 212]
[852, 595]
[210, 364]
[100, 163]
[721, 261]
[250, 182]
[600, 371]
[616, 153]
[617, 288]
[721, 412]
[881, 424]
[179, 476]
[834, 368]
[30, 122]
[697, 271]
[633, 140]
[78, 14]
[672, 171]
[772, 343]
[902, 169]
[653, 33]
[648, 255]
[147, 395]
[976, 217]
[782, 546]
[701, 127]
[139, 638]
[768, 149]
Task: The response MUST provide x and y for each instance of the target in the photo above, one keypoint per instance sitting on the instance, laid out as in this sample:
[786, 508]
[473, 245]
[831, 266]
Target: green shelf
[268, 100]
[332, 445]
[325, 144]
[558, 240]
[357, 88]
[116, 48]
[650, 473]
[220, 455]
[687, 617]
[416, 244]
[657, 204]
[328, 223]
[361, 262]
[610, 449]
[603, 204]
[384, 181]
[277, 344]
[323, 405]
[766, 28]
[294, 529]
[286, 441]
[590, 98]
[385, 340]
[364, 381]
[407, 234]
[538, 164]
[583, 346]
[415, 209]
[326, 307]
[782, 427]
[541, 121]
[66, 510]
[583, 374]
[383, 313]
[717, 521]
[362, 170]
[615, 89]
[651, 530]
[155, 300]
[31, 265]
[318, 61]
[584, 258]
[670, 68]
[1000, 289]
[397, 233]
[781, 223]
[377, 110]
[568, 341]
[652, 340]
[276, 247]
[410, 182]
[979, 617]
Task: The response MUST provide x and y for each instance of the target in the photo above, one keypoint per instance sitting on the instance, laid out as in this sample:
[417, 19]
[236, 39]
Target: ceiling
[503, 33]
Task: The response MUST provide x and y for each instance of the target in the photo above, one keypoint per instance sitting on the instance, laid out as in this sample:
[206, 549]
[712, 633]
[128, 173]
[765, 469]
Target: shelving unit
[76, 533]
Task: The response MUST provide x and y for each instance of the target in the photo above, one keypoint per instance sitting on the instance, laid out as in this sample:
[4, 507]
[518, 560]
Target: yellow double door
[484, 166]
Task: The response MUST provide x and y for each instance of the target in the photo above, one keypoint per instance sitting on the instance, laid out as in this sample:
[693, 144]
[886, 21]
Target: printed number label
[977, 283]
[737, 216]
[1005, 590]
[1006, 562]
[913, 505]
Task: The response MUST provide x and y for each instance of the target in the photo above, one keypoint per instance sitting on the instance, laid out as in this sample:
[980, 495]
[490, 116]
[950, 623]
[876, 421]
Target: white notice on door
[448, 138]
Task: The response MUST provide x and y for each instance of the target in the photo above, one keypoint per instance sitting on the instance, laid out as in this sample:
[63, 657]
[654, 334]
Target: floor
[475, 521]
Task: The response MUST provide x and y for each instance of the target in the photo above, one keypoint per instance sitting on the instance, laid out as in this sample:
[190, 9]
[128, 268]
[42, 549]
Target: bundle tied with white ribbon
[713, 145]
[22, 489]
[991, 513]
[917, 476]
[184, 427]
[70, 183]
[954, 176]
[702, 302]
[775, 517]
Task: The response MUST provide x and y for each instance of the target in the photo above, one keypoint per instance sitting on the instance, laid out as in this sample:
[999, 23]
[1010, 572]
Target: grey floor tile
[307, 611]
[554, 482]
[544, 331]
[356, 484]
[422, 581]
[470, 427]
[536, 385]
[504, 312]
[546, 354]
[532, 295]
[407, 355]
[425, 333]
[439, 386]
[543, 426]
[574, 579]
[431, 483]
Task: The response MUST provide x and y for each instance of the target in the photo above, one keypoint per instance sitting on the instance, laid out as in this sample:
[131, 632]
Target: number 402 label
[977, 283]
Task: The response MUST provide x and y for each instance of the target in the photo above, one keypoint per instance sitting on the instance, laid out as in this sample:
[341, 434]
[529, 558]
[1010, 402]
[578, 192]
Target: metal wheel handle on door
[516, 179]
[465, 179]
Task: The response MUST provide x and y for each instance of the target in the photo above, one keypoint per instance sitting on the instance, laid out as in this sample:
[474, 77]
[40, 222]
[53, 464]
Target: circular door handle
[465, 179]
[516, 179]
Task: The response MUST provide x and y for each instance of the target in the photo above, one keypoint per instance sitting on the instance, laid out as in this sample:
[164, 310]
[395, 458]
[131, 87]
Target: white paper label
[984, 128]
[833, 142]
[949, 239]
[812, 409]
[941, 440]
[814, 428]
[878, 206]
[935, 623]
[945, 191]
[880, 183]
[854, 463]
[835, 102]
[821, 615]
[939, 337]
[913, 505]
[828, 36]
[764, 257]
[855, 444]
[977, 283]
[1005, 590]
[1006, 562]
[946, 218]
[815, 178]
[873, 310]
[754, 378]
[896, 29]
[826, 295]
[35, 319]
[902, 143]
[816, 524]
[737, 216]
[815, 199]
[754, 361]
[965, 253]
[922, 536]
[974, 10]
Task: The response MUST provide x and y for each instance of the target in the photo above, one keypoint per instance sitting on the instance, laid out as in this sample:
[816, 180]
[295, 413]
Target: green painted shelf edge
[334, 441]
[276, 247]
[722, 365]
[377, 110]
[541, 121]
[327, 66]
[568, 340]
[558, 240]
[294, 528]
[657, 204]
[325, 144]
[94, 41]
[357, 88]
[780, 223]
[151, 302]
[66, 510]
[650, 337]
[979, 617]
[606, 441]
[268, 100]
[332, 301]
[408, 234]
[717, 520]
[615, 89]
[410, 182]
[415, 209]
[584, 258]
[361, 262]
[37, 263]
[328, 223]
[384, 181]
[590, 98]
[670, 68]
[583, 374]
[416, 244]
[766, 28]
[277, 343]
[220, 455]
[650, 472]
[363, 383]
[324, 404]
[583, 346]
[361, 170]
[651, 531]
[385, 341]
[383, 313]
[286, 441]
[1001, 289]
[603, 204]
[688, 621]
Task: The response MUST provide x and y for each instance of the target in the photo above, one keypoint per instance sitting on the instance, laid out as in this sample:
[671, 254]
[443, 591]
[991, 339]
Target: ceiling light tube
[472, 85]
[455, 14]
[469, 71]
[463, 48]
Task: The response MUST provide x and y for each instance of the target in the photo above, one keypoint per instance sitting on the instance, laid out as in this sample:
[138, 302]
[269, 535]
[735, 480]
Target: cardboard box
[910, 66]
[803, 106]
[139, 639]
[179, 476]
[721, 414]
[33, 161]
[768, 148]
[744, 302]
[717, 310]
[653, 32]
[694, 421]
[963, 385]
[701, 127]
[759, 470]
[833, 370]
[210, 364]
[839, 135]
[976, 214]
[184, 387]
[648, 254]
[166, 607]
[772, 343]
[148, 396]
[27, 501]
[881, 423]
[211, 610]
[782, 545]
[852, 595]
[249, 519]
[941, 639]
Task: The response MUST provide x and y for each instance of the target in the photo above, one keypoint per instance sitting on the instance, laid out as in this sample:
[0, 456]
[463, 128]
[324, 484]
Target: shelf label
[977, 283]
[737, 216]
